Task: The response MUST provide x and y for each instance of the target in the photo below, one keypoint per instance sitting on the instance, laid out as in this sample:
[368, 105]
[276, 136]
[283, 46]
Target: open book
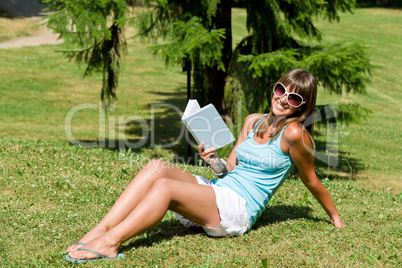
[206, 125]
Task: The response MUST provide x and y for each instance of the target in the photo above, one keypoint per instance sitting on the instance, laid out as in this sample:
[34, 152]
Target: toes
[76, 256]
[75, 246]
[71, 249]
[81, 255]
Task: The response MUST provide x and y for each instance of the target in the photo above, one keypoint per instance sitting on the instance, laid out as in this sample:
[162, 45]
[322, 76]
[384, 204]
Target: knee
[156, 167]
[162, 185]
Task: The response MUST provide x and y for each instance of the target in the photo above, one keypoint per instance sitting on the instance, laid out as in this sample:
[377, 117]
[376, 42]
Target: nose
[283, 99]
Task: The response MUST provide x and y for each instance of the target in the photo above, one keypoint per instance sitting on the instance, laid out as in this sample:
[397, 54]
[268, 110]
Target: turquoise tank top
[261, 170]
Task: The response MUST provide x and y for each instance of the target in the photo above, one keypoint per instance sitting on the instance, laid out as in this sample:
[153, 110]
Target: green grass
[51, 194]
[39, 88]
[373, 148]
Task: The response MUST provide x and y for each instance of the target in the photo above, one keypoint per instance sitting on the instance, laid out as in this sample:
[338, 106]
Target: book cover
[206, 125]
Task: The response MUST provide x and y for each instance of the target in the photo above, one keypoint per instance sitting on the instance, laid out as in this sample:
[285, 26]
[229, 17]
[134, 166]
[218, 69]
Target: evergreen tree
[94, 30]
[281, 37]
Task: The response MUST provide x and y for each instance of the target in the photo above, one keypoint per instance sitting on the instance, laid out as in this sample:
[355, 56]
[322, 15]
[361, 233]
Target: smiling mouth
[280, 106]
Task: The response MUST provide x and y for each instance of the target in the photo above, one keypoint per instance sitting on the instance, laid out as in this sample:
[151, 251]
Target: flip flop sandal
[99, 256]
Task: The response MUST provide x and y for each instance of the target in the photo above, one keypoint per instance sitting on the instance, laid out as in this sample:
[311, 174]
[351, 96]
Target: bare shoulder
[293, 132]
[296, 134]
[248, 125]
[250, 119]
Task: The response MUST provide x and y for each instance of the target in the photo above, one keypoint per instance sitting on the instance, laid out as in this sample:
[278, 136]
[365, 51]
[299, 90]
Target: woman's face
[280, 106]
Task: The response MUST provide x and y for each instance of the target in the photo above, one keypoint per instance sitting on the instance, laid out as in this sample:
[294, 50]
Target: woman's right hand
[212, 158]
[210, 155]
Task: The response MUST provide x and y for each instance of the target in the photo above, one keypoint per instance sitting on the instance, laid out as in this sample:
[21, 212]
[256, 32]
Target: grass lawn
[373, 148]
[52, 192]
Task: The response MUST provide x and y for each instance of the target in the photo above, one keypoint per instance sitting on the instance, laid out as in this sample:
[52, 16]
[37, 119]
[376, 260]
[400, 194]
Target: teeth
[280, 106]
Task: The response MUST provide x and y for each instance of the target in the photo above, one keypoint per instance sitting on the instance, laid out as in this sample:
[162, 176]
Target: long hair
[303, 83]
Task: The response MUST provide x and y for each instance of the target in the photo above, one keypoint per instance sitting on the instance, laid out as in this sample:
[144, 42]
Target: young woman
[267, 149]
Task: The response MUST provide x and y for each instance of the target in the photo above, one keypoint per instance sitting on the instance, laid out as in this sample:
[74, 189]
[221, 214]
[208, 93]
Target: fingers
[208, 154]
[201, 147]
[337, 222]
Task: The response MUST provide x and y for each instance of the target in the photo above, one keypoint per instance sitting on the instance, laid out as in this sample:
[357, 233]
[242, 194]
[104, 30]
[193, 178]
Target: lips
[280, 106]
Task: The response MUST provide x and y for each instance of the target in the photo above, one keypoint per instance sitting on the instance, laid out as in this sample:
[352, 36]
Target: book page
[191, 108]
[206, 125]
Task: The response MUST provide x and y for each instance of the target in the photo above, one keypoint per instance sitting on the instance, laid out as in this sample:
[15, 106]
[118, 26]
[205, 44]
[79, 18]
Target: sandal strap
[93, 252]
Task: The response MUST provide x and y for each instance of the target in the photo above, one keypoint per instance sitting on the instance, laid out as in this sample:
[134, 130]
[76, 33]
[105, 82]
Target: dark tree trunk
[217, 78]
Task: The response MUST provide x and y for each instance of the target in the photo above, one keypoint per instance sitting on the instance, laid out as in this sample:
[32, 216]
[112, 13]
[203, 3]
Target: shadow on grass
[163, 128]
[343, 163]
[6, 15]
[163, 231]
[281, 213]
[173, 228]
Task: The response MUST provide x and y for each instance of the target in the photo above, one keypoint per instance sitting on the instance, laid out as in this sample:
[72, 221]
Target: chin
[285, 112]
[279, 111]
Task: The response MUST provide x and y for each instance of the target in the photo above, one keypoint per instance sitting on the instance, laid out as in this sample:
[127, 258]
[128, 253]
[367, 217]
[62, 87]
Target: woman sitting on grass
[267, 149]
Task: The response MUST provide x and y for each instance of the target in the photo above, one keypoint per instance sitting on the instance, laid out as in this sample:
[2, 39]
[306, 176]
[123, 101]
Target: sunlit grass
[51, 194]
[374, 145]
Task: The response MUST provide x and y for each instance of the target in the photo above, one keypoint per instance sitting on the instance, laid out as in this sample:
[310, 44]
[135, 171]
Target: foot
[76, 246]
[99, 256]
[88, 237]
[101, 245]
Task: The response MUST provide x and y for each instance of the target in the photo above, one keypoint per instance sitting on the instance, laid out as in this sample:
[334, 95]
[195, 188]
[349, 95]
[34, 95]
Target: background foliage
[281, 36]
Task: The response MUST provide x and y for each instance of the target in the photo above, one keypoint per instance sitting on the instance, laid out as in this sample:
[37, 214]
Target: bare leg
[133, 195]
[195, 202]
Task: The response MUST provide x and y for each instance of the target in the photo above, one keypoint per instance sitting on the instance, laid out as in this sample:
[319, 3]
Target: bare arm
[247, 127]
[296, 145]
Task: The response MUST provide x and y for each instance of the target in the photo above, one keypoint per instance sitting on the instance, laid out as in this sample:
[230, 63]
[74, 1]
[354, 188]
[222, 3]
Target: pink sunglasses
[293, 99]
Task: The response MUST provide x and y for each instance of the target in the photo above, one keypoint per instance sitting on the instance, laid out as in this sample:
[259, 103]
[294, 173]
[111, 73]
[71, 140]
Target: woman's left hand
[338, 222]
[300, 150]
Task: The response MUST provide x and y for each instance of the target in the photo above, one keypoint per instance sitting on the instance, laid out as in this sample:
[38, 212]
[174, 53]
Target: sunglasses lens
[279, 90]
[294, 100]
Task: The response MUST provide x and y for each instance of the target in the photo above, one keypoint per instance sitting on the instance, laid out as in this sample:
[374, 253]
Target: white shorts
[232, 211]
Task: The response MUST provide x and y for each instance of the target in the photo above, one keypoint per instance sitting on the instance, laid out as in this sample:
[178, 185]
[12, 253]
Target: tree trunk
[217, 78]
